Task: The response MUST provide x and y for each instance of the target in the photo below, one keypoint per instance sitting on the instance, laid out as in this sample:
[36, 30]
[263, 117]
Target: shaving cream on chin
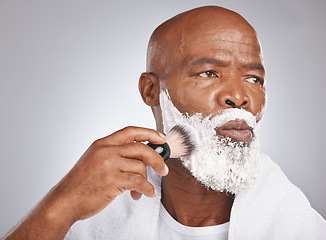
[218, 162]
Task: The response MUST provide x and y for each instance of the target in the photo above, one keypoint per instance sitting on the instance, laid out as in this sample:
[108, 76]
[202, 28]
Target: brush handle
[162, 149]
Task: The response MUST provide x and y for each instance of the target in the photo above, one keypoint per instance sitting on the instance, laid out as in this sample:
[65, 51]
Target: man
[204, 68]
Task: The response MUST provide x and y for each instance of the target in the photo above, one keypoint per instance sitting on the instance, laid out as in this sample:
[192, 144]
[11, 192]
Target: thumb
[135, 195]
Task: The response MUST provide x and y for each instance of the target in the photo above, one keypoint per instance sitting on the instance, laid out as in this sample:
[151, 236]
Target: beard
[218, 162]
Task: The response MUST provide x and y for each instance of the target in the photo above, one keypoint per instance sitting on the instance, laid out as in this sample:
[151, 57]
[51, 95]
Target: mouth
[238, 130]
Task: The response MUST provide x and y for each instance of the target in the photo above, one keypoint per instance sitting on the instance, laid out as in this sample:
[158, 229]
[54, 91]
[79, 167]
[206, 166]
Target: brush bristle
[182, 140]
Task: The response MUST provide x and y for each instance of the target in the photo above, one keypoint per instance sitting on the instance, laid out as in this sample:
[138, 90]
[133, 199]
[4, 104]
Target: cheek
[190, 100]
[183, 102]
[258, 103]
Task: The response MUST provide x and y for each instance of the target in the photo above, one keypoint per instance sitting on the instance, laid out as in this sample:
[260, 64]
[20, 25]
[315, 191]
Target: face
[216, 69]
[216, 76]
[211, 76]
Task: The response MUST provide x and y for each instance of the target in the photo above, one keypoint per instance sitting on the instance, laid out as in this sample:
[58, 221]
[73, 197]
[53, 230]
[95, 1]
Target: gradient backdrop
[69, 73]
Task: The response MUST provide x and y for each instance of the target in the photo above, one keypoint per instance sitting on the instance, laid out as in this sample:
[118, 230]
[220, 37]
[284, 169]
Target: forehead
[227, 44]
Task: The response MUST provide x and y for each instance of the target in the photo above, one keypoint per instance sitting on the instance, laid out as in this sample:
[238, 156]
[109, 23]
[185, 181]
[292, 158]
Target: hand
[109, 167]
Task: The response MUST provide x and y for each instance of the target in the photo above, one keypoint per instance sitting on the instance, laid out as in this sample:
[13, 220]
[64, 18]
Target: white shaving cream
[219, 163]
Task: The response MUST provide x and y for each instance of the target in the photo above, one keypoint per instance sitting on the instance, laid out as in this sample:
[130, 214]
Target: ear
[149, 88]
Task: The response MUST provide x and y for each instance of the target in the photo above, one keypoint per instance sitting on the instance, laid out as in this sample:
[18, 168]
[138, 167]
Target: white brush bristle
[182, 140]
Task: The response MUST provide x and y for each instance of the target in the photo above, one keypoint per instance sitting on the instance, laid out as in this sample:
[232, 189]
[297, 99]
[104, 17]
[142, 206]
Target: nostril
[244, 103]
[229, 102]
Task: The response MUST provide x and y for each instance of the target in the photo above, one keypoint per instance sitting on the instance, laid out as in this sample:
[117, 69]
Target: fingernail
[162, 135]
[155, 192]
[166, 169]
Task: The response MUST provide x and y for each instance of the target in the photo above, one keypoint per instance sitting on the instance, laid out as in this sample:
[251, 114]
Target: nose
[233, 97]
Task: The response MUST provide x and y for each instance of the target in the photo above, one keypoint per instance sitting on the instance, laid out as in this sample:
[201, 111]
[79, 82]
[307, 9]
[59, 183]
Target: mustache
[232, 114]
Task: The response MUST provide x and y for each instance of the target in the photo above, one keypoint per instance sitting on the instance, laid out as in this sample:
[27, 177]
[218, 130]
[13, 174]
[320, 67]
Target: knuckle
[135, 178]
[97, 143]
[138, 179]
[107, 164]
[129, 129]
[106, 155]
[141, 167]
[140, 147]
[109, 151]
[101, 152]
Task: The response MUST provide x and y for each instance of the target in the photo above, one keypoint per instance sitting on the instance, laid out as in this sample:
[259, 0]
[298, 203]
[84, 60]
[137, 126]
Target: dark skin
[182, 58]
[189, 202]
[218, 65]
[109, 167]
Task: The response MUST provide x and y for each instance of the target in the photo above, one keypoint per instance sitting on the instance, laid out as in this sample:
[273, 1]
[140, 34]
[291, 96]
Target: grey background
[69, 73]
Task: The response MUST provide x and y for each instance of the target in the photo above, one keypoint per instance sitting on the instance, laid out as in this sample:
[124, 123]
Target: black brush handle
[162, 149]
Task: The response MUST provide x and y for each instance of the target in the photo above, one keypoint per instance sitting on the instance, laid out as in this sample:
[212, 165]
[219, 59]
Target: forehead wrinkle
[250, 44]
[233, 35]
[207, 60]
[245, 42]
[225, 50]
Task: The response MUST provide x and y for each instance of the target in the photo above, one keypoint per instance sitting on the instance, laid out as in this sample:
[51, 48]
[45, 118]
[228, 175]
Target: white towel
[123, 219]
[273, 209]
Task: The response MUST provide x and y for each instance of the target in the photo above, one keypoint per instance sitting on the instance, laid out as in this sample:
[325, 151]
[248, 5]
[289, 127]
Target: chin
[221, 164]
[224, 165]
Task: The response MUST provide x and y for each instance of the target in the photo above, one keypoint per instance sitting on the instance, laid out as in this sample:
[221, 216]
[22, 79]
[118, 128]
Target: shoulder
[274, 206]
[273, 183]
[293, 213]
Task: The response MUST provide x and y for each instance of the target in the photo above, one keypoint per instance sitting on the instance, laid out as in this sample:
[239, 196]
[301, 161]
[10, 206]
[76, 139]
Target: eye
[208, 74]
[254, 79]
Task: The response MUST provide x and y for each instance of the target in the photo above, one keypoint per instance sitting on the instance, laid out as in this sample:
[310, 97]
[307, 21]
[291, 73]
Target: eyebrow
[254, 66]
[207, 60]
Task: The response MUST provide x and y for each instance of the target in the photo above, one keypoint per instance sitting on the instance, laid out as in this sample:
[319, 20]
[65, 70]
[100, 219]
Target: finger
[132, 134]
[146, 154]
[131, 181]
[135, 195]
[127, 165]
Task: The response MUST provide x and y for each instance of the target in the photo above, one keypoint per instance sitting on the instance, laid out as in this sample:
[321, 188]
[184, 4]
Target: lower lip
[236, 134]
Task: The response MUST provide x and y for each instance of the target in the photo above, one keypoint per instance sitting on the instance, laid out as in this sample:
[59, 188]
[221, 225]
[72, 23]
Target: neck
[191, 203]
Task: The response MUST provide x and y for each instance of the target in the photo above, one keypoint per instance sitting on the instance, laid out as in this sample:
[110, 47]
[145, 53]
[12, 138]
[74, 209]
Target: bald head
[208, 59]
[172, 37]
